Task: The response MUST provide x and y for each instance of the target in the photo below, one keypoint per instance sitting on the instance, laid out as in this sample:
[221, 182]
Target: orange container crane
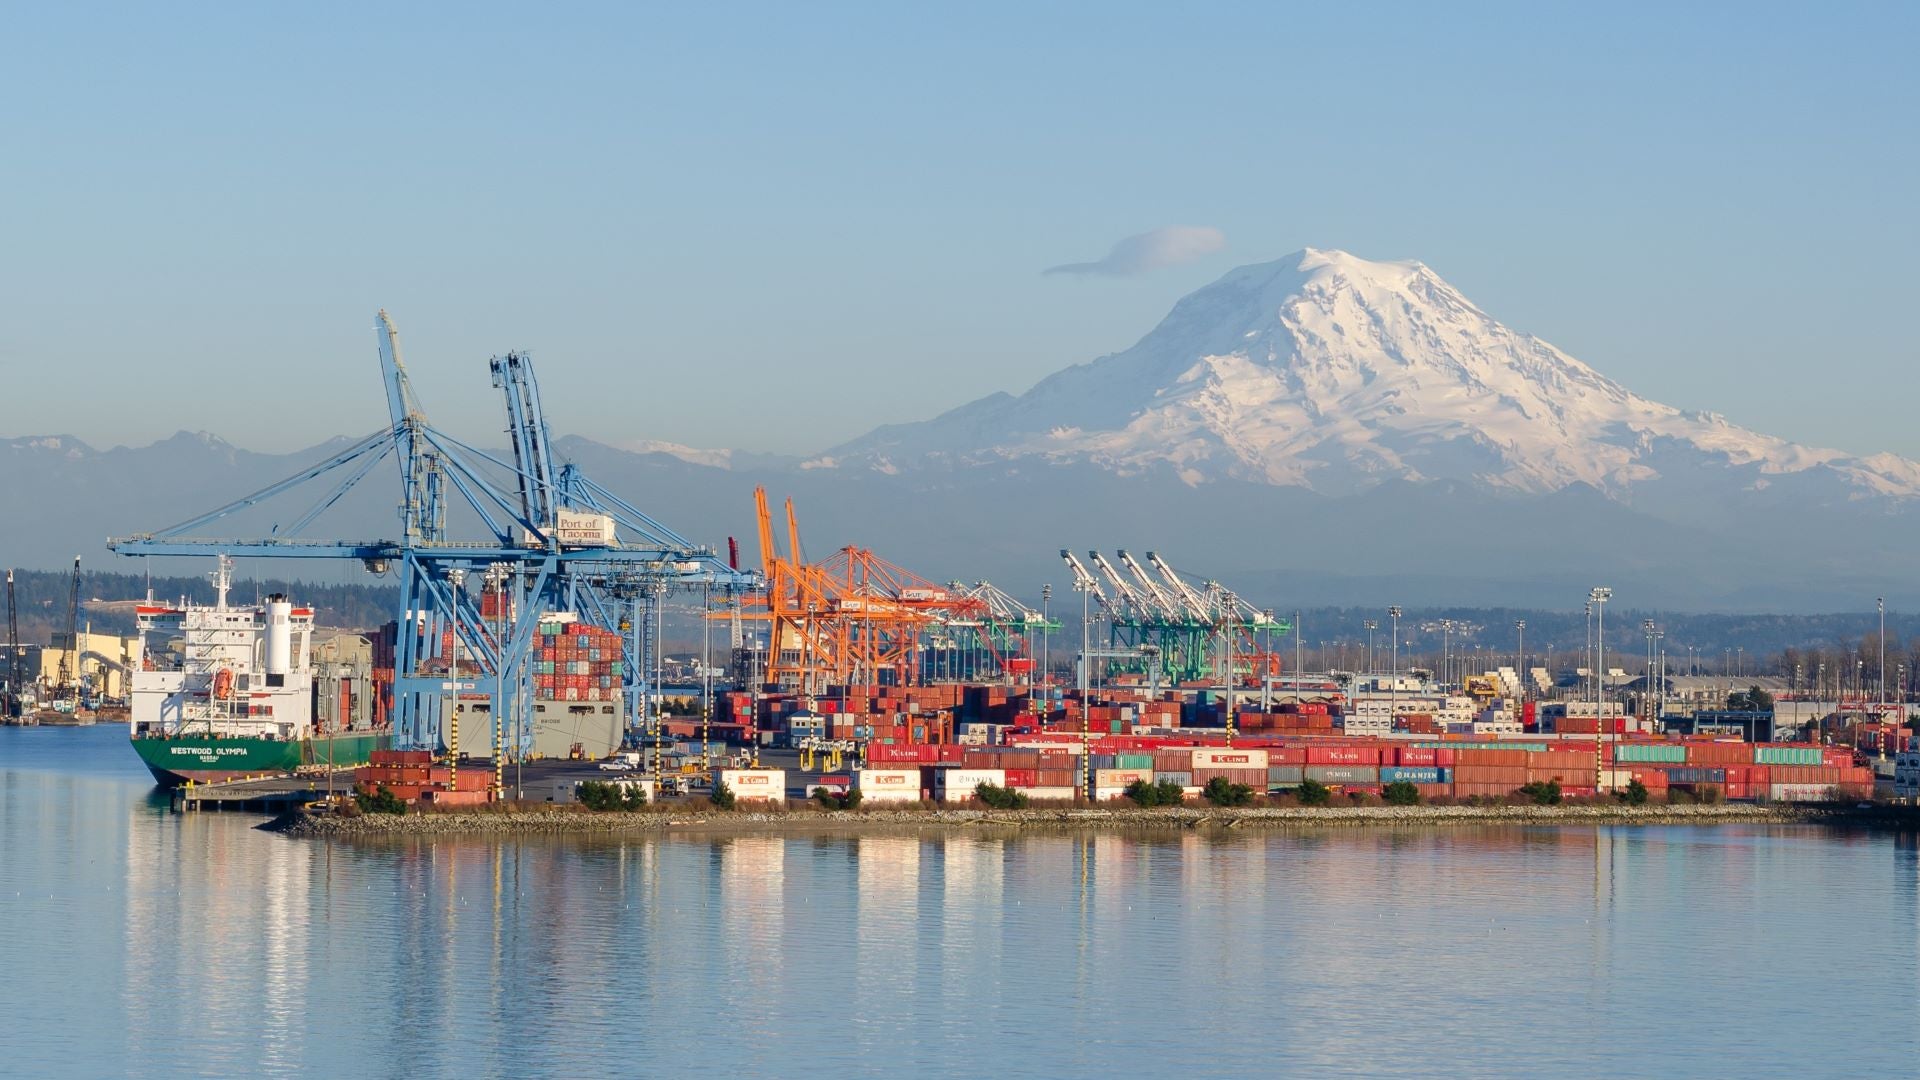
[850, 619]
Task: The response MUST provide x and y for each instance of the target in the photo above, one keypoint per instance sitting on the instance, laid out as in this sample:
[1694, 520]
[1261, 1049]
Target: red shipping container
[1507, 777]
[1343, 755]
[1416, 755]
[1471, 790]
[1472, 755]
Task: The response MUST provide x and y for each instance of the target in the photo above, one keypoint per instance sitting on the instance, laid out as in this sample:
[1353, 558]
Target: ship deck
[264, 796]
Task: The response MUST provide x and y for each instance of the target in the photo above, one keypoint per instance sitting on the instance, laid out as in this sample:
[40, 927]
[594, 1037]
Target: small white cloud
[1168, 246]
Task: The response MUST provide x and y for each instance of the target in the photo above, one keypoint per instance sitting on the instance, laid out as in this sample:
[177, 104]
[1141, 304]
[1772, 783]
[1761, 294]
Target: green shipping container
[1786, 755]
[1671, 753]
[1133, 761]
[1535, 747]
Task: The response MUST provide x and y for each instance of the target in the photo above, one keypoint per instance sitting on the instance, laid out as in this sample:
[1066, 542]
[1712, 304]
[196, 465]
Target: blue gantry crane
[543, 540]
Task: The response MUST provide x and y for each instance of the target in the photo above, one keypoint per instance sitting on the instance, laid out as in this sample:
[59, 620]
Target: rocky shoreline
[662, 820]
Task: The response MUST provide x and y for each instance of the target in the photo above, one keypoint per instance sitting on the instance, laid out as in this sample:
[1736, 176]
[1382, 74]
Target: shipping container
[1789, 755]
[1063, 793]
[760, 785]
[1343, 774]
[1343, 755]
[1234, 758]
[887, 785]
[957, 785]
[1414, 774]
[1649, 753]
[1801, 792]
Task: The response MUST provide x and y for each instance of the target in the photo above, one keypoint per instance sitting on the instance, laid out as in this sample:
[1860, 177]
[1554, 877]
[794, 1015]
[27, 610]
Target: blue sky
[775, 227]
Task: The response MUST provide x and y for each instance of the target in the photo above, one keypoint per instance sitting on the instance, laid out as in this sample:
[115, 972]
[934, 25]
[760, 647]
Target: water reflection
[198, 945]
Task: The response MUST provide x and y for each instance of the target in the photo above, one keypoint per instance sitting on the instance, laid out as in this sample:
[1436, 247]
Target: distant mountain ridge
[1316, 430]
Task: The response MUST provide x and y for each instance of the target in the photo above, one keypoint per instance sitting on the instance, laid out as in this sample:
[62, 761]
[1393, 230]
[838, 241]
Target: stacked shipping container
[412, 776]
[577, 662]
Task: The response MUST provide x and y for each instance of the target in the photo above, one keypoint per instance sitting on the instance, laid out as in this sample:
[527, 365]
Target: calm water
[137, 942]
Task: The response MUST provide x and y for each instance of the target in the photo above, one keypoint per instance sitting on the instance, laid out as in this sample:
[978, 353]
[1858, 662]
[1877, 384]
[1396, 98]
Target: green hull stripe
[188, 754]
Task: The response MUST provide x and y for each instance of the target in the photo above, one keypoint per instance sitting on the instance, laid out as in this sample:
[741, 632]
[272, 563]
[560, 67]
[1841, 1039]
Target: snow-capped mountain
[1333, 373]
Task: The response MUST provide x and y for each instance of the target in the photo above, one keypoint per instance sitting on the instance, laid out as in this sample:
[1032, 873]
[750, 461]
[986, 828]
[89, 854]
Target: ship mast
[222, 580]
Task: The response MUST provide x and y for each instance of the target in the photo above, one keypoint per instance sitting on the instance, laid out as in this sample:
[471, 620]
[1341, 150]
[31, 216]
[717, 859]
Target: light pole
[1393, 693]
[1266, 672]
[1660, 666]
[1586, 658]
[1446, 653]
[1881, 603]
[1046, 620]
[1086, 716]
[496, 579]
[1371, 625]
[457, 578]
[1599, 597]
[1646, 699]
[1298, 659]
[1228, 633]
[1521, 626]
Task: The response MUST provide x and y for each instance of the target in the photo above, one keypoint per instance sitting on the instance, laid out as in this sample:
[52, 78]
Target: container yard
[532, 626]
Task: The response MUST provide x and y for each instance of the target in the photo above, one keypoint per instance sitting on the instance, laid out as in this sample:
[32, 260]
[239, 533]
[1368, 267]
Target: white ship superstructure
[223, 670]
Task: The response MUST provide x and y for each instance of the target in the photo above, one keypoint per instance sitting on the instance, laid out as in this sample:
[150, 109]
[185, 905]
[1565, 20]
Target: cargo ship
[223, 692]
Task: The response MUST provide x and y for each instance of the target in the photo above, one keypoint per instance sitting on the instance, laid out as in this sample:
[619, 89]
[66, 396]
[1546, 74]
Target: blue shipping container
[1415, 774]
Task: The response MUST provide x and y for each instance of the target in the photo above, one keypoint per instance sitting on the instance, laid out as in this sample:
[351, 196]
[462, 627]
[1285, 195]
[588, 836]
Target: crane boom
[1188, 598]
[1082, 579]
[1167, 605]
[1137, 606]
[527, 431]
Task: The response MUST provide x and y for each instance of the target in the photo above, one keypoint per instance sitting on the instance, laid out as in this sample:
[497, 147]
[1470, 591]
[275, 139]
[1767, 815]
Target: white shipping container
[764, 785]
[1118, 779]
[1223, 758]
[888, 785]
[1802, 792]
[956, 785]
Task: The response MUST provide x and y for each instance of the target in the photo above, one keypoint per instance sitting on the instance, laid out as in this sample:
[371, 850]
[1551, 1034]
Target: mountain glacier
[1334, 373]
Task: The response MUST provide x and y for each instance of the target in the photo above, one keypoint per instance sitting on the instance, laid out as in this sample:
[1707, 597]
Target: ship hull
[175, 760]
